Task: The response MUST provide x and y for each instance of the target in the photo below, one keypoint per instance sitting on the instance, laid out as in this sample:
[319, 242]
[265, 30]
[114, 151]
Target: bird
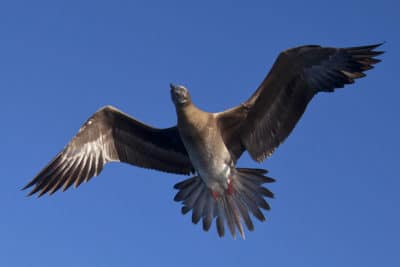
[208, 145]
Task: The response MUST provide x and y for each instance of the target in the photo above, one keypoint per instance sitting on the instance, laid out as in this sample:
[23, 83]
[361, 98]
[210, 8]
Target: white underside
[212, 164]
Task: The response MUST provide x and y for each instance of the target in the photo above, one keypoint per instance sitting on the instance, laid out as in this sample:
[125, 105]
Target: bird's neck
[185, 110]
[190, 115]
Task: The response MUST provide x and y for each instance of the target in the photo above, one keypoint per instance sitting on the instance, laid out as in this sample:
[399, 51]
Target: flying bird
[208, 145]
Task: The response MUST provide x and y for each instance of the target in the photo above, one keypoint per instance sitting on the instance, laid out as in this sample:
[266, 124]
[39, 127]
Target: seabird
[208, 145]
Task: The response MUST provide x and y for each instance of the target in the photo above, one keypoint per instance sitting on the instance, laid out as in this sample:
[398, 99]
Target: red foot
[215, 195]
[230, 189]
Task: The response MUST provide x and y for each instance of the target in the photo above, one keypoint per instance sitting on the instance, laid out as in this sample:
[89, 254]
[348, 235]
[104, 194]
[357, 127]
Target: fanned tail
[245, 196]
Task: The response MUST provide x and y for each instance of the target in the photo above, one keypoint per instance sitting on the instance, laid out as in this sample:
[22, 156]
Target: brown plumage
[209, 144]
[110, 135]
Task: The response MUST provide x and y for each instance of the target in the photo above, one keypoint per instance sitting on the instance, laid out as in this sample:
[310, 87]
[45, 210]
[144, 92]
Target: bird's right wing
[111, 135]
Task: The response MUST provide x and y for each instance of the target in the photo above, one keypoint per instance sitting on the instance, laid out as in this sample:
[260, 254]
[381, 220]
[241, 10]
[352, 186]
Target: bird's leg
[230, 189]
[215, 194]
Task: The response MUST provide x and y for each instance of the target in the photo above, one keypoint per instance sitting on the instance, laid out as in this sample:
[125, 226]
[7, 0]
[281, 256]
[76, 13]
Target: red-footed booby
[209, 144]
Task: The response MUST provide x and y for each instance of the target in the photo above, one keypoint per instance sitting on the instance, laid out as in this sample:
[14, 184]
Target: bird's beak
[172, 86]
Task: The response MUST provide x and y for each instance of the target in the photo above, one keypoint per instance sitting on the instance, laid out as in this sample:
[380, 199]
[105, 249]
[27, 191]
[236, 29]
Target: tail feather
[186, 188]
[193, 196]
[229, 211]
[235, 216]
[231, 207]
[245, 214]
[249, 190]
[185, 183]
[199, 207]
[185, 210]
[252, 205]
[256, 176]
[208, 213]
[220, 222]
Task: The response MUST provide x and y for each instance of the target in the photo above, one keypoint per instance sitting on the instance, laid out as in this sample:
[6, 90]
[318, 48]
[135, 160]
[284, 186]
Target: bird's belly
[212, 162]
[212, 170]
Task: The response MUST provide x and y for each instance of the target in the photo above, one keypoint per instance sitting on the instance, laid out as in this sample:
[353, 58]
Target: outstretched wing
[265, 120]
[111, 135]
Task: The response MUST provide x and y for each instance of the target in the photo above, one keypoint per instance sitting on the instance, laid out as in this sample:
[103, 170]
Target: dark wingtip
[369, 47]
[269, 179]
[31, 183]
[377, 45]
[29, 194]
[367, 50]
[28, 185]
[24, 187]
[33, 191]
[51, 192]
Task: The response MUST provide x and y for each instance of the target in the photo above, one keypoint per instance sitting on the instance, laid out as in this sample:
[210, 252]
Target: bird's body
[209, 144]
[206, 149]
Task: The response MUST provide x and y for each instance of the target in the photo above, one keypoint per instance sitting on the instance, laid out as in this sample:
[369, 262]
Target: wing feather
[264, 121]
[110, 135]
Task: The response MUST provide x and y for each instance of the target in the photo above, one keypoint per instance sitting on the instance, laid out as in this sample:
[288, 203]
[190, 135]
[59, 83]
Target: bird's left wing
[264, 121]
[111, 135]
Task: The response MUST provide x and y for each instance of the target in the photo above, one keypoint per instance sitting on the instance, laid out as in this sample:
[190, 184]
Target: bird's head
[180, 95]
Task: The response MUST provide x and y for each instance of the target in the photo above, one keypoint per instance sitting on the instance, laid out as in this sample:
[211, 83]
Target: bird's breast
[207, 152]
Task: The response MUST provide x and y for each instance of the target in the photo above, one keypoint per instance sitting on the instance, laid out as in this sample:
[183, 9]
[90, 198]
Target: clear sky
[337, 190]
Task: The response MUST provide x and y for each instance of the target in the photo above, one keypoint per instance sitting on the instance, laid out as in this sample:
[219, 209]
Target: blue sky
[337, 200]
